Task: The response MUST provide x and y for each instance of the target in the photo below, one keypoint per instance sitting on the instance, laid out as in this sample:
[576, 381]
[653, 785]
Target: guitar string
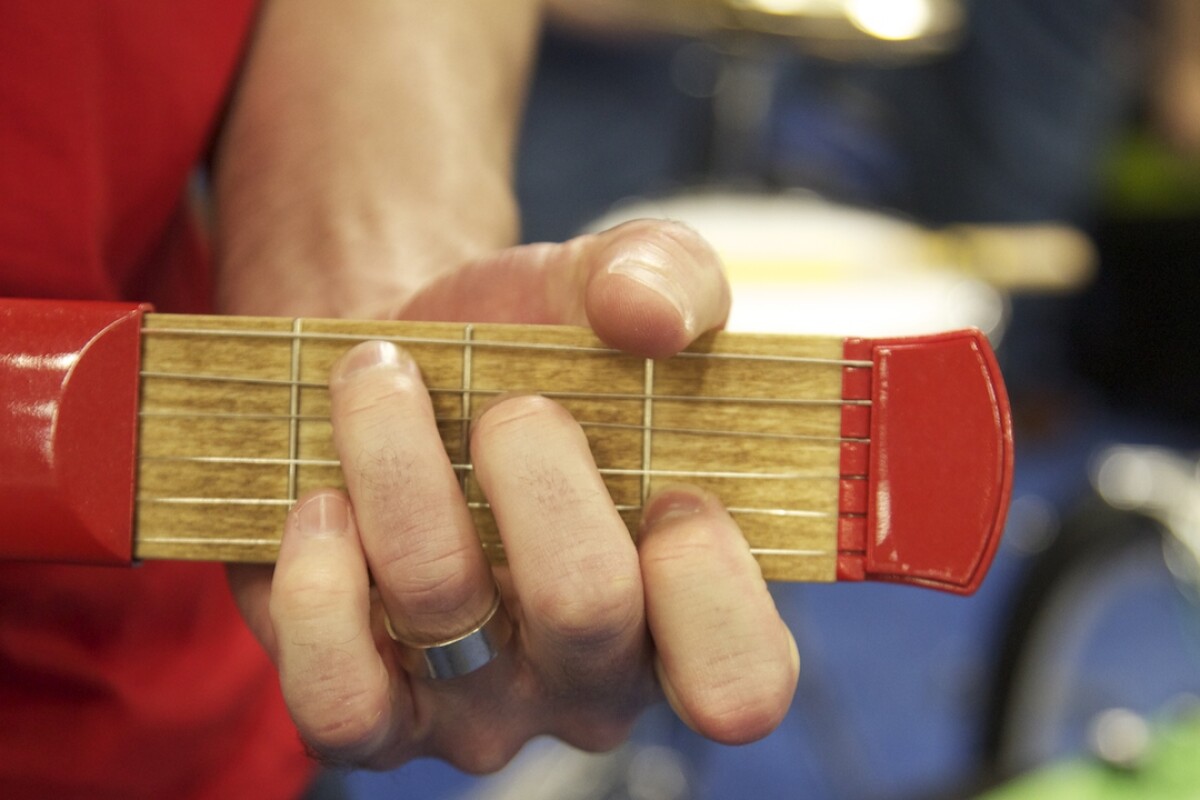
[814, 439]
[354, 338]
[487, 544]
[566, 395]
[411, 340]
[459, 467]
[478, 505]
[198, 416]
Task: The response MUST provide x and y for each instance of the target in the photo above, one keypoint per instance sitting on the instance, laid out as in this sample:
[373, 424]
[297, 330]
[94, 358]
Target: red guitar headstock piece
[925, 501]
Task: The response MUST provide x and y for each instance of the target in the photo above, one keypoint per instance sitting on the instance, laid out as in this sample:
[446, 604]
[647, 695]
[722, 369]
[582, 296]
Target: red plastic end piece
[940, 464]
[68, 430]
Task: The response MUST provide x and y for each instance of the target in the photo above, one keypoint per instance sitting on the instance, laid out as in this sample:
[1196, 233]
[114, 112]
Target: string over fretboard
[234, 425]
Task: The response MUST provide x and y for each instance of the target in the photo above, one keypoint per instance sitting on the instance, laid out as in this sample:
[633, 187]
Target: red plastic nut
[940, 463]
[68, 430]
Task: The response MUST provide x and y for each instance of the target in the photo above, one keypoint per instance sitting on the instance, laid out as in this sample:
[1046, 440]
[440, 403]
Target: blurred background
[874, 167]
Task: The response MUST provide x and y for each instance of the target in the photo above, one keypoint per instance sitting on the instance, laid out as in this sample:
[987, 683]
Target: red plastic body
[926, 503]
[68, 429]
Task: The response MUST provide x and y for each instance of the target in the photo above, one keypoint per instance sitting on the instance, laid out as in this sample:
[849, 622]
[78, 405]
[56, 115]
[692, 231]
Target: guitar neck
[822, 448]
[234, 425]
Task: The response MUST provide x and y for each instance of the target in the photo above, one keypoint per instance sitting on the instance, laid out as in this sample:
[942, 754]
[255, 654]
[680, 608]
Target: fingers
[416, 531]
[585, 598]
[726, 661]
[336, 684]
[571, 559]
[648, 287]
[651, 287]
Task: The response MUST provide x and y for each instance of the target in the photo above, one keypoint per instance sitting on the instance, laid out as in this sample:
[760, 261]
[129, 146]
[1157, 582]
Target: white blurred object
[1162, 484]
[799, 264]
[838, 29]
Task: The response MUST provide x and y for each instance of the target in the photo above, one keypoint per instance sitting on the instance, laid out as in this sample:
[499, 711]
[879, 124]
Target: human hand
[591, 625]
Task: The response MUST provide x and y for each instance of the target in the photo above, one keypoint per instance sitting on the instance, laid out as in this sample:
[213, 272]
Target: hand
[598, 624]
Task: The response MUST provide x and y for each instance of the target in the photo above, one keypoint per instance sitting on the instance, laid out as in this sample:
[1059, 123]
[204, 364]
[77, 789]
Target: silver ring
[461, 655]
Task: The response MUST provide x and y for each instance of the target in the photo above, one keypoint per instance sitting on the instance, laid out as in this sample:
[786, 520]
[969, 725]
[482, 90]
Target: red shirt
[143, 682]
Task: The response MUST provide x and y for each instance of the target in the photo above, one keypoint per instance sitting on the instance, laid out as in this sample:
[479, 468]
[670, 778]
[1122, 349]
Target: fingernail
[672, 504]
[322, 515]
[657, 276]
[368, 355]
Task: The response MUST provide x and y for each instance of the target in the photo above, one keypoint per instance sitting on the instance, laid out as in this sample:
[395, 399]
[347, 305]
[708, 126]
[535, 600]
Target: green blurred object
[1169, 771]
[1146, 179]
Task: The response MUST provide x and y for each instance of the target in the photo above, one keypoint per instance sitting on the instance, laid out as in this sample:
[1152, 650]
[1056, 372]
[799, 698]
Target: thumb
[648, 287]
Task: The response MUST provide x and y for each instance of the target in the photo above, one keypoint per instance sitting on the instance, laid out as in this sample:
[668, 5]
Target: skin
[1175, 88]
[331, 202]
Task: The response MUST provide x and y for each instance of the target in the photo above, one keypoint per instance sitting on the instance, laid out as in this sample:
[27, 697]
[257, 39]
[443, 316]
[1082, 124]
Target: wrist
[350, 261]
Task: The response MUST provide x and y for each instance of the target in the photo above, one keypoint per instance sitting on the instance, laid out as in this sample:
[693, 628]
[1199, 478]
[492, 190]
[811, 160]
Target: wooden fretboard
[234, 425]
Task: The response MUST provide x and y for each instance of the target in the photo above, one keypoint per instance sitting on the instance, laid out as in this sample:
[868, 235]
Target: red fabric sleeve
[139, 683]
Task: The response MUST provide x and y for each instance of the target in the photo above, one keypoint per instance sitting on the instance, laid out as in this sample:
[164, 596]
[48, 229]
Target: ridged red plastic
[68, 430]
[939, 467]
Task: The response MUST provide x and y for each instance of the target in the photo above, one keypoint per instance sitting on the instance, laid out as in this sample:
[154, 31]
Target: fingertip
[728, 663]
[366, 356]
[672, 695]
[631, 316]
[673, 502]
[654, 286]
[795, 657]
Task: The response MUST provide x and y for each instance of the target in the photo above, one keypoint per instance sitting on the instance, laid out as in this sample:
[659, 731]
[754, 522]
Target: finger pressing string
[421, 545]
[726, 661]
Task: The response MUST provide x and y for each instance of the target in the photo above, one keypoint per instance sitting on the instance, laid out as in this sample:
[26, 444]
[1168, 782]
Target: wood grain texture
[234, 425]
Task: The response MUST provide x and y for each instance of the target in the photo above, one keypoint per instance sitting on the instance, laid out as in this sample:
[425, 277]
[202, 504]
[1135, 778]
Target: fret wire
[633, 396]
[464, 448]
[492, 344]
[647, 426]
[294, 404]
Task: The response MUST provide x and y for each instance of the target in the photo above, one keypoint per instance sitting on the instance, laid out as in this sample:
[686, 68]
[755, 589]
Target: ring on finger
[461, 655]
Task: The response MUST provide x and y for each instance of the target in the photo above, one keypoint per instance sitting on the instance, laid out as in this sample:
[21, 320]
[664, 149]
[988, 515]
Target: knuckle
[309, 595]
[599, 736]
[486, 753]
[345, 738]
[674, 242]
[432, 585]
[592, 612]
[340, 720]
[688, 546]
[367, 406]
[380, 466]
[678, 235]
